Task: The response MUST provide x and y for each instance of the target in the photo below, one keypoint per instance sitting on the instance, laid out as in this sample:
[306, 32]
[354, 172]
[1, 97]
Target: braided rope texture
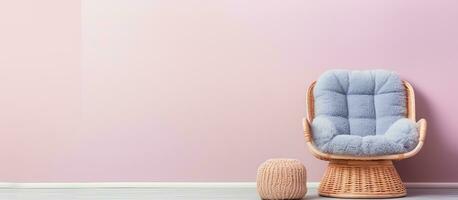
[281, 179]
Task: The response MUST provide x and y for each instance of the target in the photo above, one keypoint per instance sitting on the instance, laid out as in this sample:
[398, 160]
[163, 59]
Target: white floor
[179, 194]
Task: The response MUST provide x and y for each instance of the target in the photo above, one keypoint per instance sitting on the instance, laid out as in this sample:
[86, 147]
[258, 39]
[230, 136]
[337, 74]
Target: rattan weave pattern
[361, 179]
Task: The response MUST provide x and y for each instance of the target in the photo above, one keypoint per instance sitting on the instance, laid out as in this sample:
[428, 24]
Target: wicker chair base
[361, 179]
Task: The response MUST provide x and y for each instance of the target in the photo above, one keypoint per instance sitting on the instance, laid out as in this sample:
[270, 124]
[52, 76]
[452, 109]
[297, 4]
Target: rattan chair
[362, 177]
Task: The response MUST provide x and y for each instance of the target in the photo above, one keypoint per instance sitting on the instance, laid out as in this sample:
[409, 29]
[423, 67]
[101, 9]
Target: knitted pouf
[281, 179]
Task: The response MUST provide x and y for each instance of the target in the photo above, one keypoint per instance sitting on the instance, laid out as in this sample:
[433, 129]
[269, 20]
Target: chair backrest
[407, 110]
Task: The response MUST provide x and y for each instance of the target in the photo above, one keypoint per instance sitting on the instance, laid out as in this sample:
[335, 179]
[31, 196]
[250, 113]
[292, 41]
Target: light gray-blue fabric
[362, 113]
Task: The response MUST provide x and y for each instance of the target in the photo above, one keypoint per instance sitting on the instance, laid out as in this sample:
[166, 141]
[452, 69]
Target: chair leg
[361, 179]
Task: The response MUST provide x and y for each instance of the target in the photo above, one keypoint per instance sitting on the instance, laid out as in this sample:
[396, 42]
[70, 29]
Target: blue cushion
[362, 113]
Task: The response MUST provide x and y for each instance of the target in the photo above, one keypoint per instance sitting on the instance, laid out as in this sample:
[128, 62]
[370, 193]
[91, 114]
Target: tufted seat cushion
[362, 113]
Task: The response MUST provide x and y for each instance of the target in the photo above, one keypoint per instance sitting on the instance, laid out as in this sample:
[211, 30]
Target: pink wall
[40, 87]
[205, 90]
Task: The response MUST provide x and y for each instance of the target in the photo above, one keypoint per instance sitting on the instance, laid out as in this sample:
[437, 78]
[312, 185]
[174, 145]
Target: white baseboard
[75, 185]
[45, 185]
[452, 185]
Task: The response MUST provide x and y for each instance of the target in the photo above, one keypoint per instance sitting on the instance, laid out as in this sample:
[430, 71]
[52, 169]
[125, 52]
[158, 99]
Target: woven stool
[281, 179]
